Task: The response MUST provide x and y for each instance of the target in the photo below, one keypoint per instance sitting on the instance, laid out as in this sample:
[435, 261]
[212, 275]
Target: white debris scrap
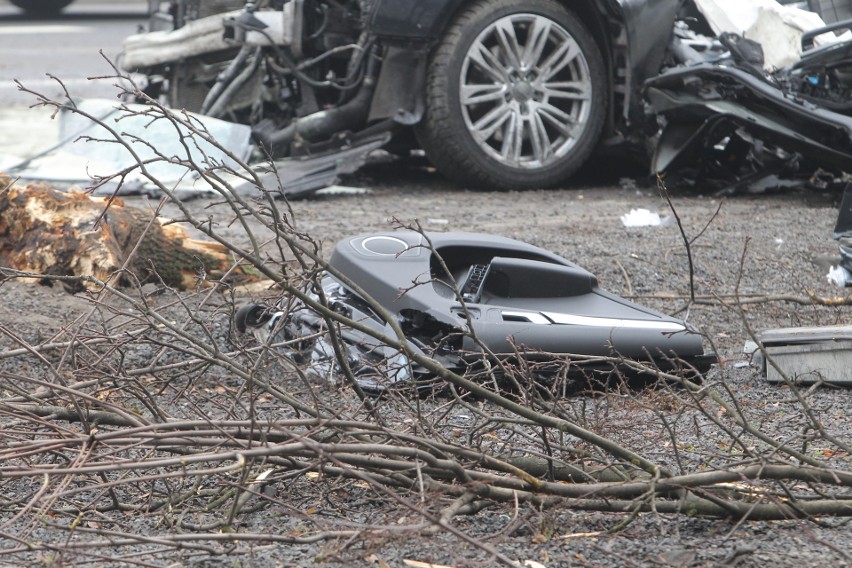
[644, 218]
[343, 190]
[839, 276]
[777, 28]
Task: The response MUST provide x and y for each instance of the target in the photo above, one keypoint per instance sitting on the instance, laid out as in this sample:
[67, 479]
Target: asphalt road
[68, 46]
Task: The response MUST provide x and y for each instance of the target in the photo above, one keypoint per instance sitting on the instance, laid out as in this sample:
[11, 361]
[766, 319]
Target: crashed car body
[732, 124]
[476, 301]
[41, 7]
[500, 94]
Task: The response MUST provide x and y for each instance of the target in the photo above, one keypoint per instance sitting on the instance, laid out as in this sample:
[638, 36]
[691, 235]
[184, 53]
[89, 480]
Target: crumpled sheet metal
[301, 335]
[301, 176]
[759, 106]
[86, 150]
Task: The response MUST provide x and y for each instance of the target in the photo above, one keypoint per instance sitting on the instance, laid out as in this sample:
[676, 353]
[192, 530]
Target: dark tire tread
[438, 132]
[41, 7]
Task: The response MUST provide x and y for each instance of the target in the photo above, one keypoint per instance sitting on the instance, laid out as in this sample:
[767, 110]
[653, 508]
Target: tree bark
[46, 231]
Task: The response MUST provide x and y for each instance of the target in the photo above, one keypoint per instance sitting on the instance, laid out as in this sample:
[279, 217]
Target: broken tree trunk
[49, 232]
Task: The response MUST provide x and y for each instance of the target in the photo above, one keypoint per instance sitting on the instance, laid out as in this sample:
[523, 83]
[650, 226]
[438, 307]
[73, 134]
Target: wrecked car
[472, 301]
[732, 119]
[500, 94]
[41, 7]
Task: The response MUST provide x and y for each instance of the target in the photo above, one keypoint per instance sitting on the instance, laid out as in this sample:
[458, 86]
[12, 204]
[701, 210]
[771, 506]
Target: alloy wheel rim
[525, 91]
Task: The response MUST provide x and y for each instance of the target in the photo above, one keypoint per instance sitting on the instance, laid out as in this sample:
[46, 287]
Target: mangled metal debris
[807, 355]
[298, 176]
[756, 103]
[727, 122]
[472, 301]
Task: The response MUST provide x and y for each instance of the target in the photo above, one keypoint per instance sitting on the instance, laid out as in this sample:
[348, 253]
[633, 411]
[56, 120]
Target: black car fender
[400, 90]
[412, 19]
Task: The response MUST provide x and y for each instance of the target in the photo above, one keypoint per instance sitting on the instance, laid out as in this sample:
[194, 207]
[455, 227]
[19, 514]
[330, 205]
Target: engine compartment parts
[499, 94]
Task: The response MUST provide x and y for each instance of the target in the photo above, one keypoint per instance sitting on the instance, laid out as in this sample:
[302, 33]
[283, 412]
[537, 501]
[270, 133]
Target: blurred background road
[68, 47]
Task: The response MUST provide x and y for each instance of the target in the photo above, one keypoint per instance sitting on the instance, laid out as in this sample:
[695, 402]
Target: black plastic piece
[526, 298]
[474, 283]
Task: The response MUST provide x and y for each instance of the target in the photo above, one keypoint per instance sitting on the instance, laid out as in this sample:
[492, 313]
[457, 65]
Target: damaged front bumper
[707, 106]
[730, 120]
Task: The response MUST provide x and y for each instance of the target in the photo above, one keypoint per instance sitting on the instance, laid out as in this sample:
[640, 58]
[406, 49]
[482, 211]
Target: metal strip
[550, 318]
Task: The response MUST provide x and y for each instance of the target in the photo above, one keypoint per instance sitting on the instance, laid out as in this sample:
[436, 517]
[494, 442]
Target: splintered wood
[49, 232]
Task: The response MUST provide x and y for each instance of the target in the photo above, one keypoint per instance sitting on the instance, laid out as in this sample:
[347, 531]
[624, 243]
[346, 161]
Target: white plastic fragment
[839, 276]
[644, 218]
[777, 28]
[343, 190]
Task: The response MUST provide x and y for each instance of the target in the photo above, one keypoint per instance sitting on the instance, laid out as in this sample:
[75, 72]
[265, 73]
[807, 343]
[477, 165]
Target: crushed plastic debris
[644, 218]
[839, 276]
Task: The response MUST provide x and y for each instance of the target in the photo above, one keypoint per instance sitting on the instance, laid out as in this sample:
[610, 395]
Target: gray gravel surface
[757, 245]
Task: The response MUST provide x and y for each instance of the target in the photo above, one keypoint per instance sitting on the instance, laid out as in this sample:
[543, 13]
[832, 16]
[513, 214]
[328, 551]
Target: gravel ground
[756, 246]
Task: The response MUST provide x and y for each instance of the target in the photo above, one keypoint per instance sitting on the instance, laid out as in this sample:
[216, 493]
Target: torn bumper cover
[707, 108]
[470, 301]
[730, 117]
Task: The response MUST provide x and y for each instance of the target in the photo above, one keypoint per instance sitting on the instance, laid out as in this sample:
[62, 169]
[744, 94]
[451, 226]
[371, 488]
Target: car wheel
[41, 7]
[516, 96]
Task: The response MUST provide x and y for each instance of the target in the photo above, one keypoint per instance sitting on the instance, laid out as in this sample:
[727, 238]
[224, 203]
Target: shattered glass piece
[87, 151]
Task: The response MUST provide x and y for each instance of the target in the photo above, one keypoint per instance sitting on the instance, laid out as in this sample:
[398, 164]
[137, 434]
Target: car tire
[41, 7]
[494, 120]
